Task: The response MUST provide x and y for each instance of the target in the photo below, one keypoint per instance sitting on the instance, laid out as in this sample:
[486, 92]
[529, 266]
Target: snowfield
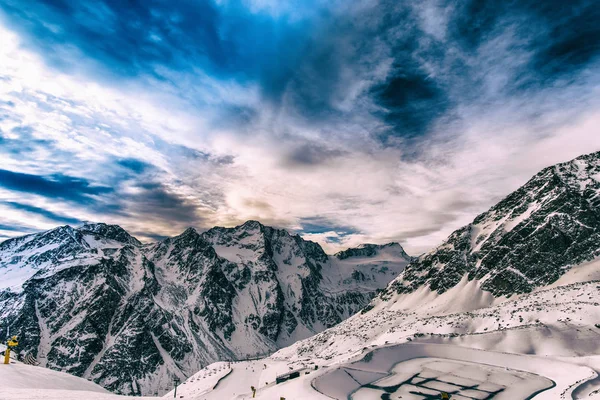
[466, 373]
[25, 382]
[405, 370]
[411, 370]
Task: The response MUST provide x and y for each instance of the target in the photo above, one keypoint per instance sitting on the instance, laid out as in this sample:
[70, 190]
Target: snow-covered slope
[371, 265]
[26, 382]
[95, 302]
[554, 333]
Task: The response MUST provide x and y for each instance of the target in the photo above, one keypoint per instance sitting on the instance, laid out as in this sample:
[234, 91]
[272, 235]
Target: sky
[346, 122]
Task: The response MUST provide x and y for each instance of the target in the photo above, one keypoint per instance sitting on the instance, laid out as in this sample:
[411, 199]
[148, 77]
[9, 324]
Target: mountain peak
[114, 232]
[371, 250]
[190, 231]
[251, 224]
[189, 235]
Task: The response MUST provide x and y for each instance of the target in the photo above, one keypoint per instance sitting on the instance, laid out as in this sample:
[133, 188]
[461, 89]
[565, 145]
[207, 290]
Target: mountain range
[96, 302]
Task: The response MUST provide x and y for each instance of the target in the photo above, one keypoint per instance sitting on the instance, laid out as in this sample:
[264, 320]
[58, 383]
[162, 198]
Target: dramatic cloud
[369, 121]
[55, 186]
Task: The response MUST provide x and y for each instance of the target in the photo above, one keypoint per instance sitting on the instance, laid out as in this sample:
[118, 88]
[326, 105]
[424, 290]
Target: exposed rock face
[527, 240]
[371, 250]
[95, 302]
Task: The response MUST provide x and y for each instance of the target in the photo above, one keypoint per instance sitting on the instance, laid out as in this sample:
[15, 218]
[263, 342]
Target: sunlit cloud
[375, 122]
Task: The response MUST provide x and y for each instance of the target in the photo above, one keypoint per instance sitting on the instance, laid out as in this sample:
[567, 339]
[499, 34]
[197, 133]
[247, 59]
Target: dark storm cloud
[572, 38]
[433, 76]
[61, 219]
[59, 186]
[411, 103]
[562, 37]
[310, 63]
[156, 200]
[151, 197]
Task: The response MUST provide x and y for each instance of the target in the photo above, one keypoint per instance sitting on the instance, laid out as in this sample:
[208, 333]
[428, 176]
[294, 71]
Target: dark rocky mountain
[527, 240]
[370, 250]
[95, 302]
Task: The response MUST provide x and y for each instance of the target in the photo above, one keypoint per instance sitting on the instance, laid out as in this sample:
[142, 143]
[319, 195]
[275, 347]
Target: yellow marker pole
[12, 342]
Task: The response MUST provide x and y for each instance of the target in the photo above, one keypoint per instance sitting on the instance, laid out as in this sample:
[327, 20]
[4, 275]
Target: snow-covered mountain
[95, 302]
[528, 240]
[522, 278]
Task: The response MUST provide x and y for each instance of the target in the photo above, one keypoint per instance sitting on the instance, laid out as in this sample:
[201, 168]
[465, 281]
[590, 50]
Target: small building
[287, 377]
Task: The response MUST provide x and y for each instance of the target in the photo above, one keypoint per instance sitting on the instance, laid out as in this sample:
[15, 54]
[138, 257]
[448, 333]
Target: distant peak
[369, 250]
[114, 232]
[190, 234]
[253, 224]
[59, 230]
[189, 231]
[62, 228]
[93, 226]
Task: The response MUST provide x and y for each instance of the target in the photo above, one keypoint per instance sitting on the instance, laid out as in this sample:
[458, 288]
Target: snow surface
[517, 375]
[25, 382]
[203, 381]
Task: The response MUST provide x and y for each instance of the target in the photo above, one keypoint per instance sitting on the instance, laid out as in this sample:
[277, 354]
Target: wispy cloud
[369, 122]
